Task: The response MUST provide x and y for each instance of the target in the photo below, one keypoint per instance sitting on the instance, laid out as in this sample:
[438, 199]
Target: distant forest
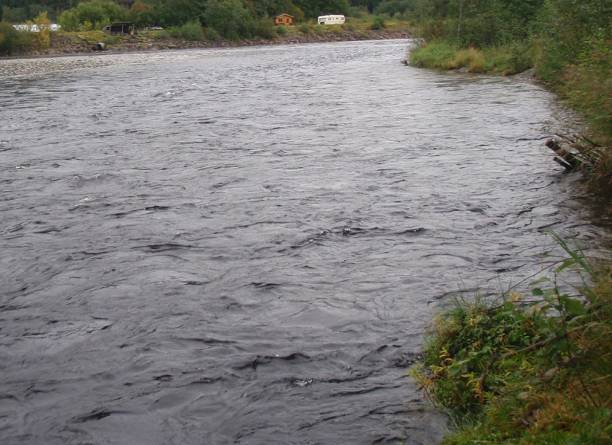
[177, 12]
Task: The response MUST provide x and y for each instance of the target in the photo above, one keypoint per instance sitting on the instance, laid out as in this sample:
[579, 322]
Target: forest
[187, 20]
[177, 12]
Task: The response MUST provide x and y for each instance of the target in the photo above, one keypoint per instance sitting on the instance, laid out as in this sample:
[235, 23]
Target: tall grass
[444, 55]
[519, 371]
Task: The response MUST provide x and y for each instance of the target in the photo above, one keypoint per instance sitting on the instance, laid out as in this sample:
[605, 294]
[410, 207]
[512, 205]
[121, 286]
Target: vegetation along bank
[531, 369]
[567, 42]
[164, 24]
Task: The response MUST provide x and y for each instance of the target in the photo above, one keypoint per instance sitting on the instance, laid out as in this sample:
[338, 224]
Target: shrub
[587, 85]
[14, 42]
[69, 20]
[91, 15]
[304, 28]
[510, 372]
[281, 30]
[378, 23]
[230, 18]
[212, 34]
[189, 31]
[265, 29]
[42, 39]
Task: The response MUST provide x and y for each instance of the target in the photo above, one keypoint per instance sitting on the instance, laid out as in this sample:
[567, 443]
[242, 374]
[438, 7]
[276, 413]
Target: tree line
[178, 12]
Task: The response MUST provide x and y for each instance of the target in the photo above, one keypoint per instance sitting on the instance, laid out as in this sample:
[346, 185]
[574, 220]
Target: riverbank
[526, 369]
[583, 85]
[80, 43]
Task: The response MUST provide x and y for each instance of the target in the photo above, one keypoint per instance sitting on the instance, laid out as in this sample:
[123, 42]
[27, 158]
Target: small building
[120, 28]
[283, 19]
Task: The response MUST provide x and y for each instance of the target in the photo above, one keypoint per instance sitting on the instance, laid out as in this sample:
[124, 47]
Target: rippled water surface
[244, 246]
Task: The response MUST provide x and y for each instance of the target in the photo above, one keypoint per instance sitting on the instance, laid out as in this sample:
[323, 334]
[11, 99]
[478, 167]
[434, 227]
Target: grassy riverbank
[444, 55]
[527, 370]
[568, 45]
[585, 85]
[193, 36]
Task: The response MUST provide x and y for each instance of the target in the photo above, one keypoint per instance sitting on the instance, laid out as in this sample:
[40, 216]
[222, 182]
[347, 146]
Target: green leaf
[572, 306]
[565, 264]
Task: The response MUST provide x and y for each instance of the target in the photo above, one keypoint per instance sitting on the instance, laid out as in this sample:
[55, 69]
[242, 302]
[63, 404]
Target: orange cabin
[283, 19]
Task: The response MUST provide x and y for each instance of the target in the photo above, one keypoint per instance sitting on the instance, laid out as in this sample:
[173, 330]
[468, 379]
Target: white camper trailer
[331, 20]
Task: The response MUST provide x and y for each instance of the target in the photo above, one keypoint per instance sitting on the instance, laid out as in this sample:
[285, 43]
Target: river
[246, 245]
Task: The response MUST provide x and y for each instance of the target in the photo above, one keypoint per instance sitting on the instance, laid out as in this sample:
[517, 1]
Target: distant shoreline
[65, 47]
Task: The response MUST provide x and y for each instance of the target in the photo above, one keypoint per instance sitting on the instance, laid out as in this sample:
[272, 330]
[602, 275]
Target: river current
[246, 245]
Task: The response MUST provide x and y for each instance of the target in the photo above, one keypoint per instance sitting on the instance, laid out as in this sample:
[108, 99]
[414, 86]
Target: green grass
[511, 372]
[441, 55]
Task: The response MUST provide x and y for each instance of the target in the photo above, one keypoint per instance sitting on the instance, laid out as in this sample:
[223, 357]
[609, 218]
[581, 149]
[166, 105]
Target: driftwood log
[575, 152]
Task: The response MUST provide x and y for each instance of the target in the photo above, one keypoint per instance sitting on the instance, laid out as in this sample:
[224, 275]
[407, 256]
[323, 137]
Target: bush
[265, 29]
[587, 85]
[281, 30]
[91, 15]
[230, 18]
[42, 39]
[304, 28]
[189, 31]
[14, 42]
[395, 7]
[212, 34]
[510, 372]
[378, 23]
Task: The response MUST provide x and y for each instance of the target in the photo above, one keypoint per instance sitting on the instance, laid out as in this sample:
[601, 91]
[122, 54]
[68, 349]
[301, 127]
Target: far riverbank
[82, 43]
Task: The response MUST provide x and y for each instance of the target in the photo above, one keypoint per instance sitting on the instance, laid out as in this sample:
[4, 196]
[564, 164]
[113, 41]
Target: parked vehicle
[331, 20]
[32, 27]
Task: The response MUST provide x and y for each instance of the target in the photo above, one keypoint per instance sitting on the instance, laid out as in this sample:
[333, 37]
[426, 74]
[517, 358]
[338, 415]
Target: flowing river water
[246, 245]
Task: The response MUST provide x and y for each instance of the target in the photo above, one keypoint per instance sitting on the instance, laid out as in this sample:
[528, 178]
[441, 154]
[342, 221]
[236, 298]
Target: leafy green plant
[516, 372]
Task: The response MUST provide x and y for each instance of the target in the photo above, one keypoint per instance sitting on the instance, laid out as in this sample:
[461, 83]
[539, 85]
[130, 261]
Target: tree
[231, 18]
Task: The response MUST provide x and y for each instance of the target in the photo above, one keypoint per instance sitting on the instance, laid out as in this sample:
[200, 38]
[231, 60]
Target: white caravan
[331, 20]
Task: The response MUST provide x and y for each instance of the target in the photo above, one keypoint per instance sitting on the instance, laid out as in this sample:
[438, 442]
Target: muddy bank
[81, 43]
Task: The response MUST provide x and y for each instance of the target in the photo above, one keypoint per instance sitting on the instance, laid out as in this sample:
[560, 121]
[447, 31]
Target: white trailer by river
[331, 20]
